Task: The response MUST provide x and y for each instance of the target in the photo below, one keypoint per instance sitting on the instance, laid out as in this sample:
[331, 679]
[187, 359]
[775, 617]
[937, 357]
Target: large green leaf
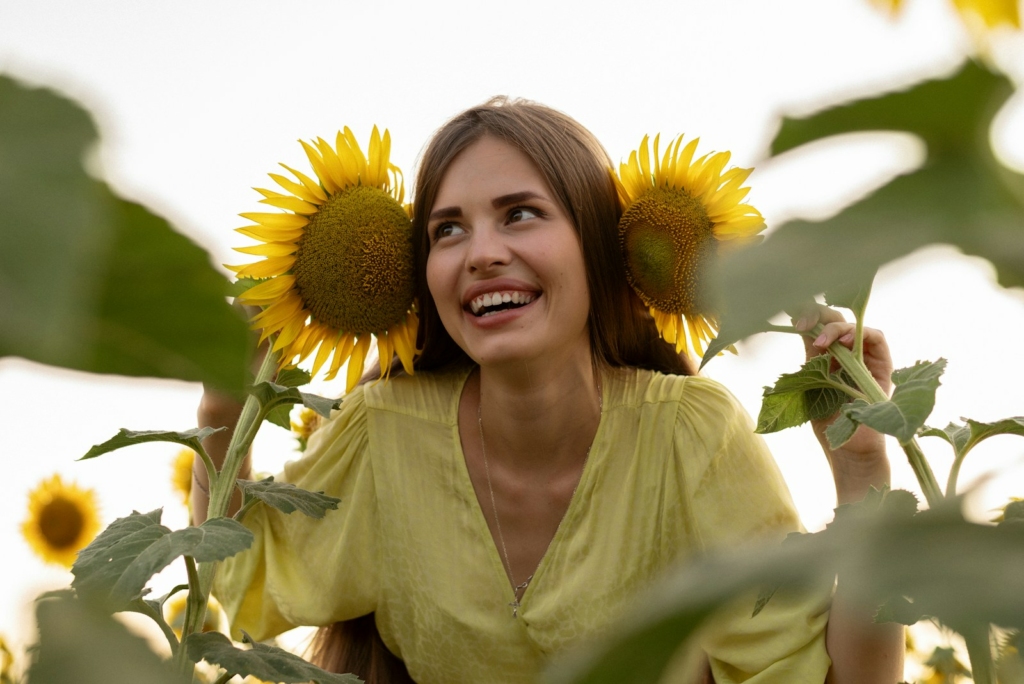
[876, 557]
[268, 663]
[288, 498]
[116, 566]
[962, 195]
[812, 393]
[911, 404]
[93, 282]
[190, 438]
[81, 644]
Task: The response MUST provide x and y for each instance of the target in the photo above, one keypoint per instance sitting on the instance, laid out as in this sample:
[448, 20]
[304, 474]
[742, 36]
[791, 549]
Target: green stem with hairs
[863, 378]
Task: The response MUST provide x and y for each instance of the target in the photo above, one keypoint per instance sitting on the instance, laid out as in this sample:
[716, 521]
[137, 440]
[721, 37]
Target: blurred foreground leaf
[962, 196]
[891, 554]
[116, 566]
[288, 498]
[190, 438]
[93, 282]
[264, 662]
[80, 644]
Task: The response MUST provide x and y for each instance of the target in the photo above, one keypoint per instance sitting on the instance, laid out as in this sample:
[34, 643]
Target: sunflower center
[61, 522]
[668, 241]
[353, 268]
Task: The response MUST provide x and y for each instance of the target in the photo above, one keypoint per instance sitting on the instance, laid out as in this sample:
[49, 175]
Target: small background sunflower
[62, 520]
[337, 267]
[678, 213]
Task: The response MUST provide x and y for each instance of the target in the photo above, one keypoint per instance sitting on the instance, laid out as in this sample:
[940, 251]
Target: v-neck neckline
[484, 529]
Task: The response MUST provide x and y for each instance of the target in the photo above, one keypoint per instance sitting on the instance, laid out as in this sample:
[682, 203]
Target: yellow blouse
[674, 469]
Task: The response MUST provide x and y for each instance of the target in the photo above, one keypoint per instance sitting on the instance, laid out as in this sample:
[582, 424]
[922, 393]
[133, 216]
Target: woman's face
[505, 266]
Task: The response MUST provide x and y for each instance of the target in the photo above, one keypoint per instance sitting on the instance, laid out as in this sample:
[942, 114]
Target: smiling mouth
[496, 302]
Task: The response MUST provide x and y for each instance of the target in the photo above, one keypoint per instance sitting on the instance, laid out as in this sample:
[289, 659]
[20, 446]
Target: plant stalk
[979, 650]
[195, 614]
[863, 378]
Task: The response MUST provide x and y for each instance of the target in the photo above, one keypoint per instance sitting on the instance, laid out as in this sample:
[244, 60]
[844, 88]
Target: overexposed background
[197, 101]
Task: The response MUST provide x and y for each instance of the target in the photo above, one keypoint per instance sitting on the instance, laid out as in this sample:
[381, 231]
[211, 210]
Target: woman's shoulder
[638, 387]
[431, 395]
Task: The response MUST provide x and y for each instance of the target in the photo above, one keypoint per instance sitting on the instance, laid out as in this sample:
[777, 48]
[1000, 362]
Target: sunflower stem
[954, 474]
[224, 678]
[875, 394]
[220, 492]
[211, 469]
[195, 613]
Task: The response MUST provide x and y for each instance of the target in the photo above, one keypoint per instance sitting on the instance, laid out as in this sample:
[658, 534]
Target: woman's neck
[538, 416]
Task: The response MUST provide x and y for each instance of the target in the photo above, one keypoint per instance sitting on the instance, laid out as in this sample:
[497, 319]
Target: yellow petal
[342, 352]
[347, 159]
[357, 152]
[332, 163]
[320, 168]
[645, 160]
[271, 234]
[357, 360]
[269, 249]
[299, 206]
[323, 353]
[276, 220]
[402, 346]
[273, 266]
[268, 291]
[306, 189]
[269, 193]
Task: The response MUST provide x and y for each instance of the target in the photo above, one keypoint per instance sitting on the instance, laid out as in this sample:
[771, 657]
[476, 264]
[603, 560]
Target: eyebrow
[497, 203]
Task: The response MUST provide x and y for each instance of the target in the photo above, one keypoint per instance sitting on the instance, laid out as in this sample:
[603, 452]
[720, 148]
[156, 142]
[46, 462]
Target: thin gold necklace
[514, 604]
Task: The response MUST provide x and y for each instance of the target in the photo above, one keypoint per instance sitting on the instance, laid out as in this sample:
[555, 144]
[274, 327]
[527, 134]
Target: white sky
[197, 101]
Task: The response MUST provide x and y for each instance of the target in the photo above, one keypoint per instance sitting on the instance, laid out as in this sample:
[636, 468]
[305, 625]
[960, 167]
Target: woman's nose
[487, 249]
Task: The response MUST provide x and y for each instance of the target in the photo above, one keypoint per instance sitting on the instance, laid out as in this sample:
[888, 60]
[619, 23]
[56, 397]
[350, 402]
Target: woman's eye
[521, 214]
[446, 230]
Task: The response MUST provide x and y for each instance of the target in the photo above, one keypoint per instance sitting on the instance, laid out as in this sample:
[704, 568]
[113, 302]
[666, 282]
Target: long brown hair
[622, 333]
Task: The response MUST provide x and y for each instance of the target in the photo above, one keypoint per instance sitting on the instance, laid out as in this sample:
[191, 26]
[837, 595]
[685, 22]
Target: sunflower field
[99, 284]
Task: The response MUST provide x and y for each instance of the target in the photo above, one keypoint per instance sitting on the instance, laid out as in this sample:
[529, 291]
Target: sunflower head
[337, 268]
[181, 474]
[62, 520]
[679, 212]
[309, 421]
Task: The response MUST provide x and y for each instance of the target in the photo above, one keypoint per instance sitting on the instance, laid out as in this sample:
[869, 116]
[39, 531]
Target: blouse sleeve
[304, 571]
[738, 497]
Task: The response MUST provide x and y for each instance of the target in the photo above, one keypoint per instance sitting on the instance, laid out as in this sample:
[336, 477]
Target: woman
[550, 457]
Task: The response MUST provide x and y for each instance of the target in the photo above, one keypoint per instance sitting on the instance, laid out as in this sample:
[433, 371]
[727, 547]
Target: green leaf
[190, 438]
[94, 282]
[911, 404]
[281, 416]
[81, 644]
[877, 556]
[808, 394]
[842, 428]
[268, 663]
[965, 437]
[853, 296]
[288, 498]
[962, 195]
[116, 566]
[732, 331]
[293, 377]
[271, 394]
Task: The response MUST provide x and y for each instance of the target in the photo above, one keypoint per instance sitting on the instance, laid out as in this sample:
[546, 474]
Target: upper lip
[495, 285]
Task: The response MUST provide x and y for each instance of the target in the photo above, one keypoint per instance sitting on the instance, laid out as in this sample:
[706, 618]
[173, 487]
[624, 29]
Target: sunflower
[62, 520]
[181, 474]
[982, 13]
[678, 214]
[337, 267]
[174, 614]
[309, 421]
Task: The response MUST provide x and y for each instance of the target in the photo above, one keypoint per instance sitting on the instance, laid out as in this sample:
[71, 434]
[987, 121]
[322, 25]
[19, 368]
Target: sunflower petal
[306, 189]
[299, 206]
[276, 219]
[272, 266]
[268, 291]
[269, 249]
[320, 168]
[271, 234]
[356, 361]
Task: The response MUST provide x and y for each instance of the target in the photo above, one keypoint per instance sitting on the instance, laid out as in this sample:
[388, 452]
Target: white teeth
[496, 298]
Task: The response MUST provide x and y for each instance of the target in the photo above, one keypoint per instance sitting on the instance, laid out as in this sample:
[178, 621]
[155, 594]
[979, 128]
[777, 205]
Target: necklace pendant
[515, 608]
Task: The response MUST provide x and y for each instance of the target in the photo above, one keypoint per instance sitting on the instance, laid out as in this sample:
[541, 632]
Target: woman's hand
[861, 462]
